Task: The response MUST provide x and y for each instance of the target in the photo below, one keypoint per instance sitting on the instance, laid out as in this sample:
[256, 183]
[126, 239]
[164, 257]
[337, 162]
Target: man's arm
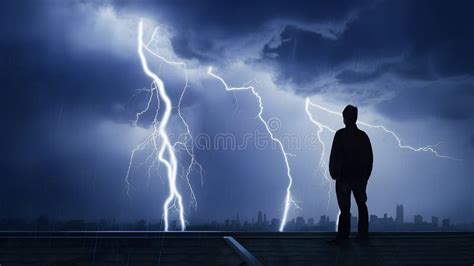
[370, 156]
[335, 157]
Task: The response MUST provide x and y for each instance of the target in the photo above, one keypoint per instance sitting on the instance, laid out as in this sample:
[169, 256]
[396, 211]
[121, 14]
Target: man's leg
[360, 195]
[343, 193]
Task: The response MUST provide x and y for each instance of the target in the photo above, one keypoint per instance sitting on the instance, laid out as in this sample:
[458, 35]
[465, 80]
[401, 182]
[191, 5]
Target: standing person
[350, 164]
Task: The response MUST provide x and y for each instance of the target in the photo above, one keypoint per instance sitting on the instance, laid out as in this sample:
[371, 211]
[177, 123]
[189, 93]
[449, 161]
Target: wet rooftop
[231, 248]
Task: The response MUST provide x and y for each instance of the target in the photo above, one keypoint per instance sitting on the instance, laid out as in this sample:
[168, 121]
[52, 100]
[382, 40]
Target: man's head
[350, 115]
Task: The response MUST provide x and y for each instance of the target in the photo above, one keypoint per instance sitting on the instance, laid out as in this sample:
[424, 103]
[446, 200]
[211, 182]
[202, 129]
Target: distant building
[353, 222]
[291, 224]
[434, 221]
[399, 219]
[418, 219]
[386, 221]
[300, 222]
[311, 221]
[374, 219]
[259, 218]
[446, 223]
[322, 220]
[275, 223]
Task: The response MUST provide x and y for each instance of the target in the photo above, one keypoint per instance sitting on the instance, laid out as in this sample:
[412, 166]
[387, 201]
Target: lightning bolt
[321, 165]
[187, 142]
[428, 148]
[288, 197]
[162, 149]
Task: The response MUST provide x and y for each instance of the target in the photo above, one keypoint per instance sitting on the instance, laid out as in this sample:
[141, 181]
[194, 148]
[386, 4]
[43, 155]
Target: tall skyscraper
[353, 222]
[417, 219]
[322, 220]
[446, 223]
[434, 221]
[399, 219]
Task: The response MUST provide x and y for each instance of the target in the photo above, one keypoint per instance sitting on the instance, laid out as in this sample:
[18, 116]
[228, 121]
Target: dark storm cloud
[41, 69]
[37, 76]
[450, 98]
[410, 41]
[238, 17]
[431, 42]
[407, 40]
[202, 25]
[435, 40]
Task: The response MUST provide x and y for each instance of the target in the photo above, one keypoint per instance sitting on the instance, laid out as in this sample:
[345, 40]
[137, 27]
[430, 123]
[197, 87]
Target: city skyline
[261, 222]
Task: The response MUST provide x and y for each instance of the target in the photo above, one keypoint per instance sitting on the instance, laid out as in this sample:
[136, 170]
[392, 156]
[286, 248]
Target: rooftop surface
[231, 248]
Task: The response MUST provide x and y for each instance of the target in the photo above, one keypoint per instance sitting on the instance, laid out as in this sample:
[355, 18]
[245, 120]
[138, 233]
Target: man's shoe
[338, 242]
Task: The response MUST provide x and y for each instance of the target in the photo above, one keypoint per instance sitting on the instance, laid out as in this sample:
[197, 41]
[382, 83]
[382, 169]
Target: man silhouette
[350, 164]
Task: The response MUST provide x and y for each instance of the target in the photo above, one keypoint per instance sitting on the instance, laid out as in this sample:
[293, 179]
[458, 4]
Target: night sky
[72, 83]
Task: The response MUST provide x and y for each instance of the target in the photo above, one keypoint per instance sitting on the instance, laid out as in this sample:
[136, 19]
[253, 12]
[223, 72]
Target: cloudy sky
[72, 83]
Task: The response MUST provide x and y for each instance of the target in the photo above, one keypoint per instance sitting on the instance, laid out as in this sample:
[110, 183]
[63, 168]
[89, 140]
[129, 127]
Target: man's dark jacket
[351, 155]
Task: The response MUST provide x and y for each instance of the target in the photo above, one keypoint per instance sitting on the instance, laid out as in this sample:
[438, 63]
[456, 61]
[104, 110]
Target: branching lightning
[288, 197]
[187, 141]
[321, 165]
[162, 150]
[429, 148]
